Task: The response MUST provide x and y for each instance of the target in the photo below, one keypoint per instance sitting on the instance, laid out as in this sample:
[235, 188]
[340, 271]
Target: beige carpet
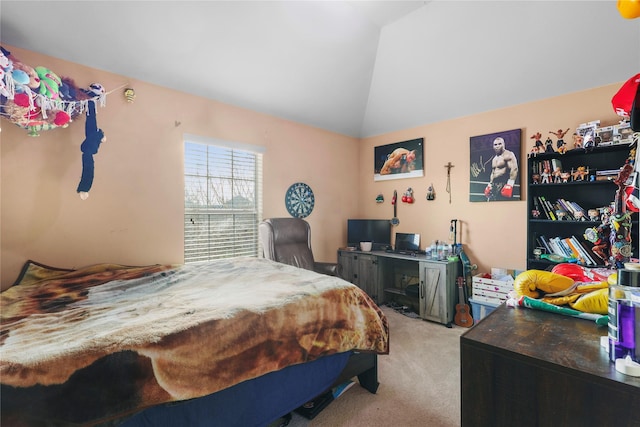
[419, 381]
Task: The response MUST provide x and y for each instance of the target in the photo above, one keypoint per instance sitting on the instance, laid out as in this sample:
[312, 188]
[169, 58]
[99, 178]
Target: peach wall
[134, 214]
[494, 233]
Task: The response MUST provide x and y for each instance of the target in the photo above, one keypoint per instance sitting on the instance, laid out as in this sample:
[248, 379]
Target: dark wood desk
[522, 367]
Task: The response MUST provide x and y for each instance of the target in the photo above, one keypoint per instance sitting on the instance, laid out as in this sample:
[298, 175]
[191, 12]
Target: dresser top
[547, 339]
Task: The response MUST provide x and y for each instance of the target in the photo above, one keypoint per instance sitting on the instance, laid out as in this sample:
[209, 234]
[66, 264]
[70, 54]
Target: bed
[230, 342]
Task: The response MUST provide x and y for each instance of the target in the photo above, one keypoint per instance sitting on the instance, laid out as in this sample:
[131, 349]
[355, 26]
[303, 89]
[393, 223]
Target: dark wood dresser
[522, 367]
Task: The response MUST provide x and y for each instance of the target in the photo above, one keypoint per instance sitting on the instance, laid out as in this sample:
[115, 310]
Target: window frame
[238, 165]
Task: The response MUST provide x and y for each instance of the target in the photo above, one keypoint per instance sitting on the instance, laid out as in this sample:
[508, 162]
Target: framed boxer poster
[494, 173]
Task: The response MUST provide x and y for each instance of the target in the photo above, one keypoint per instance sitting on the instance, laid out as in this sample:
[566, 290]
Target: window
[222, 199]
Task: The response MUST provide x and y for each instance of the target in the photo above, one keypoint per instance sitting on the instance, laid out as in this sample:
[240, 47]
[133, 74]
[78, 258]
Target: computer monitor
[407, 242]
[377, 231]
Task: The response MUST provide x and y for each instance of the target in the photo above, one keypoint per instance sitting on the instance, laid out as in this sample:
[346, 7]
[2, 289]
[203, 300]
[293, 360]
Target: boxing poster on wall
[399, 160]
[494, 173]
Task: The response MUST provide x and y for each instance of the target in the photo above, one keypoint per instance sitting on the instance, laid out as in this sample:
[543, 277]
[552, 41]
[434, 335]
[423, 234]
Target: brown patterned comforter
[133, 337]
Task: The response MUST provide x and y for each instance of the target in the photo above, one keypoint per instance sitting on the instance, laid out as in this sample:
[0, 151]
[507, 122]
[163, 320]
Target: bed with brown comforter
[120, 339]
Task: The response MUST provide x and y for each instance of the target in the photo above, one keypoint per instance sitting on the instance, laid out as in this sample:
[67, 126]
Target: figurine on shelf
[599, 236]
[594, 215]
[580, 173]
[548, 146]
[562, 146]
[538, 147]
[535, 178]
[557, 175]
[565, 176]
[577, 140]
[545, 176]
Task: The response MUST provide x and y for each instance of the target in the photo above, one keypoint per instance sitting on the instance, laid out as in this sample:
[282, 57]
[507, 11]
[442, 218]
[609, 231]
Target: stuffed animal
[34, 80]
[49, 82]
[5, 75]
[93, 138]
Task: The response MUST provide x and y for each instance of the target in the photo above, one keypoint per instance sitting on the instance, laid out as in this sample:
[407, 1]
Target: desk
[387, 276]
[522, 367]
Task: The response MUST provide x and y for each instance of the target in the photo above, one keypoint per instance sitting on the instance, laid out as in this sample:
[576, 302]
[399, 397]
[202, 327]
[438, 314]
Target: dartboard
[299, 200]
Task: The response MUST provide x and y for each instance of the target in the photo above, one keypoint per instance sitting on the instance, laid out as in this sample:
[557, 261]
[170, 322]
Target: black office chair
[288, 240]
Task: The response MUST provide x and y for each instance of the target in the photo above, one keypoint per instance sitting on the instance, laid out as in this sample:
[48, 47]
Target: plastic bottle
[624, 315]
[434, 249]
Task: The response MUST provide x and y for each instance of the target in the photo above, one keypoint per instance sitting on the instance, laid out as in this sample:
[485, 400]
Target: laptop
[407, 243]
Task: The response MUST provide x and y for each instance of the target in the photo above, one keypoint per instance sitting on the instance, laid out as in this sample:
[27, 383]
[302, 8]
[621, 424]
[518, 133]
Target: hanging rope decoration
[449, 166]
[37, 99]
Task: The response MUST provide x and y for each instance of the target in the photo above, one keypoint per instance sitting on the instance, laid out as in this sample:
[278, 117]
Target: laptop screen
[407, 242]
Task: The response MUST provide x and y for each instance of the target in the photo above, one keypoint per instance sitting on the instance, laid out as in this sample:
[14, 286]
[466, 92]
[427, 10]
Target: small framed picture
[399, 160]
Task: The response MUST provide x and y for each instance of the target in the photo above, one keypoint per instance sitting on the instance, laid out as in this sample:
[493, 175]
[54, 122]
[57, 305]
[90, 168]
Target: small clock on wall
[299, 200]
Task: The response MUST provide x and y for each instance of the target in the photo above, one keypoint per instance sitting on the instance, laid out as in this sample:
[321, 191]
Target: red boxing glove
[488, 190]
[507, 190]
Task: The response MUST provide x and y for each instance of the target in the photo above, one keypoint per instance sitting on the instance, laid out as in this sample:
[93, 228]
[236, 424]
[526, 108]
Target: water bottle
[624, 316]
[434, 249]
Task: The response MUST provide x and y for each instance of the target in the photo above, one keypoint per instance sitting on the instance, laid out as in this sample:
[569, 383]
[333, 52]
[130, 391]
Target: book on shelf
[543, 207]
[584, 251]
[550, 212]
[560, 206]
[555, 247]
[578, 208]
[588, 251]
[564, 248]
[567, 247]
[542, 242]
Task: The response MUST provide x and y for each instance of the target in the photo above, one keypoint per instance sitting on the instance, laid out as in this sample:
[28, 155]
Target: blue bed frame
[260, 401]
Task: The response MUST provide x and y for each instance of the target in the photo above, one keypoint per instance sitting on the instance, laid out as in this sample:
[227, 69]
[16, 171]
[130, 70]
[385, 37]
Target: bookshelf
[562, 191]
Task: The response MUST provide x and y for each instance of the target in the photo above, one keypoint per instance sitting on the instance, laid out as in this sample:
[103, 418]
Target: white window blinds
[222, 199]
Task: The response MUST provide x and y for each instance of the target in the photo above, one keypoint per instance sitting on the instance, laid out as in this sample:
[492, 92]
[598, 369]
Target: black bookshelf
[595, 189]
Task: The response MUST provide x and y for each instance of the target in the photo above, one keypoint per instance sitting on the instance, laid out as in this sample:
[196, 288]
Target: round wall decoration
[299, 200]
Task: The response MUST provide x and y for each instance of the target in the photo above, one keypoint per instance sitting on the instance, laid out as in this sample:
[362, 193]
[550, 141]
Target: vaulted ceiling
[359, 68]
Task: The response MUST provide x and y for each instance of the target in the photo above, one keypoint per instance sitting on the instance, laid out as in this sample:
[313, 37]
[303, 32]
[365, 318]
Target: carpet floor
[419, 381]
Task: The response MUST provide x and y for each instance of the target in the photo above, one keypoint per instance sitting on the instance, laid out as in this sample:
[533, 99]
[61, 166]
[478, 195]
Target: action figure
[548, 146]
[538, 147]
[560, 143]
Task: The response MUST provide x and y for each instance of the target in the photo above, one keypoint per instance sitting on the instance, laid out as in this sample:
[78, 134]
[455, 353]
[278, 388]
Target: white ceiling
[359, 68]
